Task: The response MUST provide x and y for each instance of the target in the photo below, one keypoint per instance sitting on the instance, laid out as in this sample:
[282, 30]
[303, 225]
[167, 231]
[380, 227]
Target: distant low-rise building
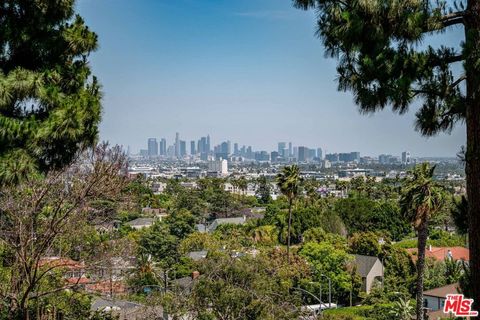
[350, 173]
[220, 167]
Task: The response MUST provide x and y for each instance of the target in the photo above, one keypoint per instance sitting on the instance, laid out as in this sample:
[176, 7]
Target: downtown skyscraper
[152, 147]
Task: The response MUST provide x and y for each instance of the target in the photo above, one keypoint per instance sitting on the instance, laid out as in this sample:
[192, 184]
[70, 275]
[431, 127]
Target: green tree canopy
[49, 101]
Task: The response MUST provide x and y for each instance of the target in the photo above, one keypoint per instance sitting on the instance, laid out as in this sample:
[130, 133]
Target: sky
[250, 71]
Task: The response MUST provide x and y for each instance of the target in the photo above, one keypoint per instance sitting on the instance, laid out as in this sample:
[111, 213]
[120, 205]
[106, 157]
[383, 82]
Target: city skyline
[244, 70]
[224, 148]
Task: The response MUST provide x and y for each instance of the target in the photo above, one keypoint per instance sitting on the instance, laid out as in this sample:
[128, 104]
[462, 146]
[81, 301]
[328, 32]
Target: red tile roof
[57, 262]
[440, 253]
[81, 280]
[106, 286]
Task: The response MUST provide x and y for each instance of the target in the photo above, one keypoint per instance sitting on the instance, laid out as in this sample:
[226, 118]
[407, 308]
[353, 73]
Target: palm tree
[421, 199]
[453, 270]
[242, 184]
[288, 181]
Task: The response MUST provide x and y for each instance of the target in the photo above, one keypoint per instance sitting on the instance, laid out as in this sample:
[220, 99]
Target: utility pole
[329, 290]
[165, 284]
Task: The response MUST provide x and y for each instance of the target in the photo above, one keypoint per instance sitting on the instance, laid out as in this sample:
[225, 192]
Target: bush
[355, 313]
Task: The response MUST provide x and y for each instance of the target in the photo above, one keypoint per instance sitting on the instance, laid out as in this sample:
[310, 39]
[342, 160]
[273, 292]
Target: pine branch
[458, 81]
[453, 15]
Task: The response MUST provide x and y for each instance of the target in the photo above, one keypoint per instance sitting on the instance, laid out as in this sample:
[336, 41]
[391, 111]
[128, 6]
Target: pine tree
[49, 101]
[386, 62]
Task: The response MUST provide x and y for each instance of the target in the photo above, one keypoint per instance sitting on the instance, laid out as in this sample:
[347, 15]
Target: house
[198, 255]
[107, 287]
[116, 268]
[201, 228]
[158, 187]
[73, 271]
[141, 223]
[185, 284]
[152, 211]
[106, 226]
[71, 268]
[441, 253]
[123, 310]
[434, 300]
[217, 222]
[370, 269]
[253, 213]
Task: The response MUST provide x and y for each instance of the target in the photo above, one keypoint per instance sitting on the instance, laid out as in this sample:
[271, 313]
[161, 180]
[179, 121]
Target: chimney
[430, 247]
[195, 275]
[449, 254]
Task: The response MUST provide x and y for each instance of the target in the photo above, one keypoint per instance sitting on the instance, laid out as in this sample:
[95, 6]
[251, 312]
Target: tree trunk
[472, 156]
[289, 227]
[422, 243]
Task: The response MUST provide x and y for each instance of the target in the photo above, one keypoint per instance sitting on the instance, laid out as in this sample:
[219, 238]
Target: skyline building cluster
[203, 150]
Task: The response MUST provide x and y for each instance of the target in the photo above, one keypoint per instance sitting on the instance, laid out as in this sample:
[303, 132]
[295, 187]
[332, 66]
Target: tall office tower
[202, 145]
[208, 144]
[302, 154]
[319, 153]
[332, 157]
[152, 147]
[183, 148]
[281, 149]
[229, 147]
[249, 154]
[235, 149]
[128, 150]
[222, 150]
[177, 145]
[295, 152]
[355, 156]
[224, 147]
[262, 156]
[406, 157]
[290, 150]
[311, 154]
[243, 151]
[192, 148]
[163, 147]
[171, 151]
[274, 156]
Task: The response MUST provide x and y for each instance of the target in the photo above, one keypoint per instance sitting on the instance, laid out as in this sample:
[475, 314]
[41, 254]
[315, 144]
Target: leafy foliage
[363, 214]
[49, 102]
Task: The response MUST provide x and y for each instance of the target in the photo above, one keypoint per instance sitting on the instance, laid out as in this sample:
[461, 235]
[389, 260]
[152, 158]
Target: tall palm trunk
[422, 244]
[290, 201]
[472, 169]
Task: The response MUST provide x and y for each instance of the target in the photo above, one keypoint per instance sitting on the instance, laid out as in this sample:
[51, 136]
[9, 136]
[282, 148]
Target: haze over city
[247, 71]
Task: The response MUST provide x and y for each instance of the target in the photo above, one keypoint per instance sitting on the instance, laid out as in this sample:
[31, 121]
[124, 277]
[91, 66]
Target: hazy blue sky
[246, 70]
